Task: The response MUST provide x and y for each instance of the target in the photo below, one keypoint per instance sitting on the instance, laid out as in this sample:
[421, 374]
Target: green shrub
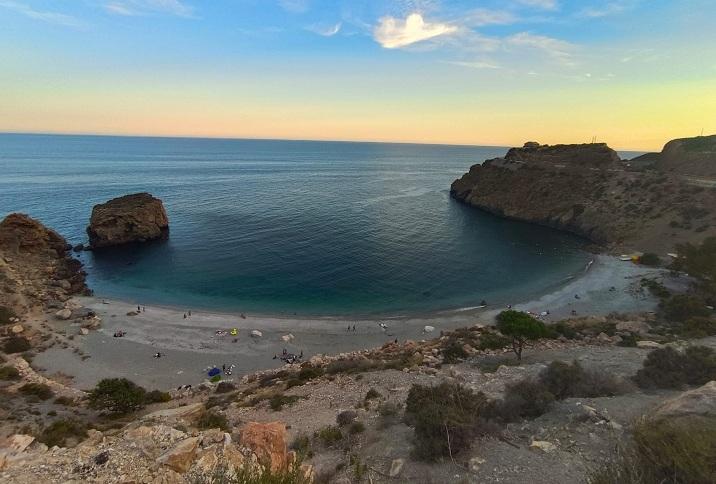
[445, 418]
[66, 401]
[16, 344]
[563, 329]
[330, 435]
[528, 398]
[683, 307]
[309, 373]
[215, 379]
[679, 451]
[567, 381]
[60, 431]
[656, 288]
[213, 420]
[276, 402]
[521, 327]
[9, 373]
[454, 353]
[669, 368]
[372, 394]
[356, 428]
[346, 417]
[225, 387]
[388, 409]
[117, 395]
[6, 314]
[629, 340]
[698, 327]
[39, 390]
[493, 341]
[254, 475]
[157, 396]
[650, 259]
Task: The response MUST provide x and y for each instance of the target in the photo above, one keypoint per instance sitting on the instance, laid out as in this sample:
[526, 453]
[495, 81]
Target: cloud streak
[144, 7]
[42, 15]
[325, 31]
[393, 33]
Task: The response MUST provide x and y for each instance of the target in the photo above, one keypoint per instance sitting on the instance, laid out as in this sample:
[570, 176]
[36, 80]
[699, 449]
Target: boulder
[129, 219]
[63, 314]
[180, 457]
[396, 467]
[700, 402]
[475, 463]
[256, 333]
[638, 327]
[287, 338]
[17, 329]
[543, 446]
[648, 345]
[268, 442]
[17, 443]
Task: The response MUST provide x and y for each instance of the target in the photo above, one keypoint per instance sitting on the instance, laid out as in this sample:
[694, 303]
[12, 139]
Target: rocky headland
[37, 270]
[139, 217]
[587, 190]
[687, 156]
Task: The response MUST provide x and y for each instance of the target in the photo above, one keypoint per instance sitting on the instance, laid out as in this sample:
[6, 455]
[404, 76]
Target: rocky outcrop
[36, 266]
[699, 402]
[588, 191]
[268, 442]
[129, 219]
[686, 156]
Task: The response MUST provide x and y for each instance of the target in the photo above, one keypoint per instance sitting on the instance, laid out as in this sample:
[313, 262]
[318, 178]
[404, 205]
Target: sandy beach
[190, 345]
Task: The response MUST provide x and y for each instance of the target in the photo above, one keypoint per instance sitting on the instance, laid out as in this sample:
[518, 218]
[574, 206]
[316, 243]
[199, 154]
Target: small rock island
[139, 217]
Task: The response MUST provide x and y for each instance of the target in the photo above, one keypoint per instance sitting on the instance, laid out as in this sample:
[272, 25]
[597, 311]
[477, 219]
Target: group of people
[187, 314]
[289, 358]
[119, 334]
[349, 328]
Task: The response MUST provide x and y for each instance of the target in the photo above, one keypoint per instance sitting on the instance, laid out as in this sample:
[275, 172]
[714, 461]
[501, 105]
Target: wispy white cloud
[481, 17]
[392, 33]
[476, 64]
[543, 4]
[325, 30]
[142, 7]
[295, 6]
[555, 48]
[43, 15]
[607, 9]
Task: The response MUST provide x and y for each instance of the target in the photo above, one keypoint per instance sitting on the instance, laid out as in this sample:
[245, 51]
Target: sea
[303, 228]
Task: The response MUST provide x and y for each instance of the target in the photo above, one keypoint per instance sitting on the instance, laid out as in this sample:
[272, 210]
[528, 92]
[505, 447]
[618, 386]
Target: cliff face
[36, 267]
[132, 218]
[587, 190]
[687, 156]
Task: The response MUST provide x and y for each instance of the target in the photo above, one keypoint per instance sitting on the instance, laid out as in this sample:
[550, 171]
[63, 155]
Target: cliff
[36, 268]
[687, 156]
[588, 191]
[132, 218]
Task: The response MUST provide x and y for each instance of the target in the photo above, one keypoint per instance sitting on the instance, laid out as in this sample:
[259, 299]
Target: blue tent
[214, 372]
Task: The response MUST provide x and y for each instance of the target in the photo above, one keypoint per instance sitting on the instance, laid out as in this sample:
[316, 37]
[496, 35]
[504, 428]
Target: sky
[633, 73]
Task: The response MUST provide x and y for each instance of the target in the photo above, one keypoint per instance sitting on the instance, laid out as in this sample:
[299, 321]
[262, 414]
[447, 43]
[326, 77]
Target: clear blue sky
[631, 72]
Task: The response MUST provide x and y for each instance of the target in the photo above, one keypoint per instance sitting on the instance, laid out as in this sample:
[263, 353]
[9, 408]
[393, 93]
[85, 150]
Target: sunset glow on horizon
[628, 72]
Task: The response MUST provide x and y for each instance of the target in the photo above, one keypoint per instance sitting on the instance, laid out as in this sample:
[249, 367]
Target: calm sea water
[283, 227]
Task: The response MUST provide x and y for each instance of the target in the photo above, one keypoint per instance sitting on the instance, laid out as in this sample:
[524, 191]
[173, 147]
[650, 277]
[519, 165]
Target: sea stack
[139, 217]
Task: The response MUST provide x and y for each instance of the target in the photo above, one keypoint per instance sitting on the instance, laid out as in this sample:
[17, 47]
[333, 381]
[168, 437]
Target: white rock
[428, 329]
[648, 345]
[543, 445]
[63, 314]
[396, 467]
[17, 329]
[256, 333]
[84, 331]
[475, 464]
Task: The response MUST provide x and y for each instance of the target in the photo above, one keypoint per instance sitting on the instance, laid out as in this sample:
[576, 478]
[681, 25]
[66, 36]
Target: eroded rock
[129, 219]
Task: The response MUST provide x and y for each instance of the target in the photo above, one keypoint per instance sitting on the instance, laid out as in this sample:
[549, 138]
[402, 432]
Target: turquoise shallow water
[284, 227]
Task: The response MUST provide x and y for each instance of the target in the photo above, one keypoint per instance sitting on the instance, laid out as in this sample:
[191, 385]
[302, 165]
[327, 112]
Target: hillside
[587, 190]
[687, 156]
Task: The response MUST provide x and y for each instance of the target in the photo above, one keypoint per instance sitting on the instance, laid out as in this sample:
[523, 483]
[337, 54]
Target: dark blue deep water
[283, 227]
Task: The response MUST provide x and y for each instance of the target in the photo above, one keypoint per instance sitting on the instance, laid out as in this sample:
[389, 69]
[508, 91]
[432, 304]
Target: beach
[189, 346]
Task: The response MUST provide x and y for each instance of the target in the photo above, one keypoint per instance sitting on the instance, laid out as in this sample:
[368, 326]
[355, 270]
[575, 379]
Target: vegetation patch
[445, 418]
[6, 315]
[9, 373]
[117, 395]
[669, 368]
[157, 396]
[38, 390]
[277, 401]
[16, 344]
[677, 451]
[61, 431]
[330, 435]
[213, 420]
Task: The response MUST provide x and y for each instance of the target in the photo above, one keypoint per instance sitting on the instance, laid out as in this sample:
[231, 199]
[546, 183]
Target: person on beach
[139, 310]
[184, 315]
[348, 328]
[157, 355]
[483, 303]
[223, 367]
[144, 309]
[190, 314]
[354, 328]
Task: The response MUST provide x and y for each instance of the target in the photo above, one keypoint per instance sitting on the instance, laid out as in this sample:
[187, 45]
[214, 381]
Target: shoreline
[191, 345]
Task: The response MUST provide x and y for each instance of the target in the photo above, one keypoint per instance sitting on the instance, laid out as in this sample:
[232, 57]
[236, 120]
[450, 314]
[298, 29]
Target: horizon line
[230, 138]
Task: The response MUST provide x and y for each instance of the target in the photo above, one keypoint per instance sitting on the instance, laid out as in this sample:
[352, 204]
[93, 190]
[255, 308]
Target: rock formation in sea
[687, 156]
[36, 268]
[139, 217]
[587, 190]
